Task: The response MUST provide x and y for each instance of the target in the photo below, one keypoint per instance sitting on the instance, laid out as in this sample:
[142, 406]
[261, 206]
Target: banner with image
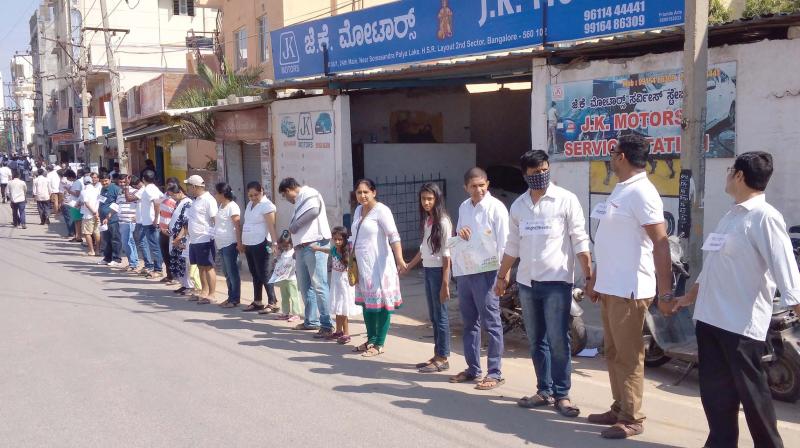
[585, 118]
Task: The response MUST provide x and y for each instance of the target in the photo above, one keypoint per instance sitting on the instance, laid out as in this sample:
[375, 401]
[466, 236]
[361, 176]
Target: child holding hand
[343, 296]
[284, 278]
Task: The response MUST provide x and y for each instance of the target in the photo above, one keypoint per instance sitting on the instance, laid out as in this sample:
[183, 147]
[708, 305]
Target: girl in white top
[342, 295]
[227, 239]
[257, 241]
[436, 228]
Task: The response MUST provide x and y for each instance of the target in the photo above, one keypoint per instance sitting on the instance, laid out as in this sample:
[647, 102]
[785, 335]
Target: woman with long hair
[257, 241]
[227, 237]
[379, 256]
[435, 227]
[179, 264]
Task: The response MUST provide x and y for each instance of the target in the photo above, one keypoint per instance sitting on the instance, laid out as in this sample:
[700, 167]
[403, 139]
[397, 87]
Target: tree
[718, 13]
[755, 8]
[218, 86]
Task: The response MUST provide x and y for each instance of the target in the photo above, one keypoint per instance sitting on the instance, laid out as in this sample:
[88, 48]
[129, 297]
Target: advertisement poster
[585, 118]
[475, 256]
[409, 31]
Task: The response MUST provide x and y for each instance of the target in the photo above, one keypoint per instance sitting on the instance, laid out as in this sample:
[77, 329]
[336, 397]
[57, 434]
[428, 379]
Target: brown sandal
[489, 383]
[362, 348]
[463, 377]
[375, 350]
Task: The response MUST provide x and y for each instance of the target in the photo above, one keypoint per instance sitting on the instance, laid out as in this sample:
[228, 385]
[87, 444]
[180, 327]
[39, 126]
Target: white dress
[378, 285]
[343, 296]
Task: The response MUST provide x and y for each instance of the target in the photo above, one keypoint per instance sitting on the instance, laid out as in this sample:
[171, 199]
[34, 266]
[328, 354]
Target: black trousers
[258, 262]
[731, 373]
[44, 210]
[111, 243]
[18, 213]
[3, 191]
[163, 243]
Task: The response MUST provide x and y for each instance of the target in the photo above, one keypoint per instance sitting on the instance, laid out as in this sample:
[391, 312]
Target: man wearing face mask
[746, 257]
[547, 231]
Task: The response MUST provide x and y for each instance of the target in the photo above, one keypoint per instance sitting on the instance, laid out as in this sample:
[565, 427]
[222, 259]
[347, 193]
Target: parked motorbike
[511, 314]
[673, 337]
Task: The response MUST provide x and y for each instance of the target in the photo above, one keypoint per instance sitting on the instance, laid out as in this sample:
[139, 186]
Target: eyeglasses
[732, 170]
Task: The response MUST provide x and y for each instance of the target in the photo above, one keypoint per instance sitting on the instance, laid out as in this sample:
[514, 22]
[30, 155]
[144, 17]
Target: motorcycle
[511, 314]
[668, 338]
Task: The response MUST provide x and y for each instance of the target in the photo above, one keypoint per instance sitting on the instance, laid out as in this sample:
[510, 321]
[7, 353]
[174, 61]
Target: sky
[14, 31]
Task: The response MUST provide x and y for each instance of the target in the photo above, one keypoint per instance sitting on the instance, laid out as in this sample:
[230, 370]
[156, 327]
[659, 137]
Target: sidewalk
[675, 415]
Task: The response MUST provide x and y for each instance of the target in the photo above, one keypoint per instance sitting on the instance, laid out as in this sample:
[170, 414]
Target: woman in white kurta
[379, 254]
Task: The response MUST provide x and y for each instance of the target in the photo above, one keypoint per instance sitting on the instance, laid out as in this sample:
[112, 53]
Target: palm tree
[218, 86]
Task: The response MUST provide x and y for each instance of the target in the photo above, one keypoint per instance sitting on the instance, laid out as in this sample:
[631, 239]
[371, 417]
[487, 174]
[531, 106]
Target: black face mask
[538, 181]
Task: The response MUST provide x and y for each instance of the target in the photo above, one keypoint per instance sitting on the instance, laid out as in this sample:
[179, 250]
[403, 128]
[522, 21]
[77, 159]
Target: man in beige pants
[632, 253]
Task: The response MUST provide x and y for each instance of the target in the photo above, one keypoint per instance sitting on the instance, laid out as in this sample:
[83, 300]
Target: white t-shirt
[5, 175]
[254, 230]
[224, 230]
[77, 185]
[203, 210]
[53, 181]
[146, 197]
[89, 197]
[429, 259]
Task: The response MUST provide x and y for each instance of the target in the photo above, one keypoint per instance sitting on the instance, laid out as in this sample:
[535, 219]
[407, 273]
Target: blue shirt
[108, 196]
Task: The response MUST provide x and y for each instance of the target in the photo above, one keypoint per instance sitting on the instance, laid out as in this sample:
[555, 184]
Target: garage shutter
[251, 163]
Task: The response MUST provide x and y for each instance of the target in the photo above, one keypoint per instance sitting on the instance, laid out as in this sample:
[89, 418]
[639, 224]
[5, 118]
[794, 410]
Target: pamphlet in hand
[284, 268]
[475, 256]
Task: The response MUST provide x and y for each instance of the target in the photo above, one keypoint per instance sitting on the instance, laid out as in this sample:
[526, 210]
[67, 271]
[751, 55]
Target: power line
[17, 22]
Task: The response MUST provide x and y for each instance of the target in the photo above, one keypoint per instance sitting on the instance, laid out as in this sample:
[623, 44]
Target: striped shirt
[127, 210]
[165, 211]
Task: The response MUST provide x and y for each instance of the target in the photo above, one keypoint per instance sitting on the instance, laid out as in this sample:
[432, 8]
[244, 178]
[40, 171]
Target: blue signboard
[410, 31]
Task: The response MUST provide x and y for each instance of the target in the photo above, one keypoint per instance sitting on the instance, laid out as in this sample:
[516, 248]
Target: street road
[94, 358]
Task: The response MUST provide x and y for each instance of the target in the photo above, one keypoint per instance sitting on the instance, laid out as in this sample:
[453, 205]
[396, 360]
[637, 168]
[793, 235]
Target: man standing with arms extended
[309, 227]
[201, 237]
[547, 232]
[632, 253]
[746, 257]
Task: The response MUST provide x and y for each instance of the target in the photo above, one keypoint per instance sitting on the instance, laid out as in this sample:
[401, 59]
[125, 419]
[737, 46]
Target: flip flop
[362, 348]
[193, 298]
[489, 383]
[373, 351]
[424, 364]
[254, 307]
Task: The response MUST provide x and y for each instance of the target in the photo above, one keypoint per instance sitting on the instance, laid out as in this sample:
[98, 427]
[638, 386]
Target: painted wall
[238, 14]
[295, 11]
[767, 105]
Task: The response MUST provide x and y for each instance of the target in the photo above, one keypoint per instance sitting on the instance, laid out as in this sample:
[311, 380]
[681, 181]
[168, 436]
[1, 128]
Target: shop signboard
[586, 118]
[410, 31]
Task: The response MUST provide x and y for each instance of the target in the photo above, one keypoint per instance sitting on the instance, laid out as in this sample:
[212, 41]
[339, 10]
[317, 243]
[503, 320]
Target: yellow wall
[245, 13]
[295, 11]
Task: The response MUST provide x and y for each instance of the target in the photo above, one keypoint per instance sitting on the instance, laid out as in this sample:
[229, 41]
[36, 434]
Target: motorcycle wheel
[577, 333]
[654, 355]
[783, 377]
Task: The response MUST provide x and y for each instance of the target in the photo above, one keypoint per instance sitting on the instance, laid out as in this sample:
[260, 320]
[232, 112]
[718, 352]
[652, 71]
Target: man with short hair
[201, 237]
[109, 218]
[54, 184]
[90, 227]
[746, 258]
[481, 214]
[5, 177]
[41, 193]
[633, 262]
[149, 197]
[309, 227]
[547, 232]
[17, 189]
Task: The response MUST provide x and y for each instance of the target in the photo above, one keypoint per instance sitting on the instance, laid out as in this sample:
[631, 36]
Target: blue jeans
[437, 312]
[150, 235]
[129, 243]
[545, 309]
[144, 248]
[312, 280]
[481, 307]
[68, 220]
[230, 263]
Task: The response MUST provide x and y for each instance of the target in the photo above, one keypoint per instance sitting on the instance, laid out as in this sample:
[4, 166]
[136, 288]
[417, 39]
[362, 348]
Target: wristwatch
[666, 298]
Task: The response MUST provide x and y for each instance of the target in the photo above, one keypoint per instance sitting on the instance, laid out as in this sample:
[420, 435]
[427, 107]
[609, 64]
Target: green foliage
[718, 13]
[755, 8]
[218, 86]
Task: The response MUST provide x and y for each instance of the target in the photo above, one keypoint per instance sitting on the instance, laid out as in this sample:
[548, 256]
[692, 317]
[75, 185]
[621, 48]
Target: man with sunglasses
[746, 257]
[633, 259]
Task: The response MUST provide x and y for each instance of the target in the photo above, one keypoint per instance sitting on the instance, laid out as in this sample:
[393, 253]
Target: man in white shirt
[17, 188]
[54, 184]
[632, 252]
[41, 193]
[481, 214]
[90, 224]
[5, 177]
[309, 227]
[201, 236]
[149, 199]
[746, 257]
[547, 232]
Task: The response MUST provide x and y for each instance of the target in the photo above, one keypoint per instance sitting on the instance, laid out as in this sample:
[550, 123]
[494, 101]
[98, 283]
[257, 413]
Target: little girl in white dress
[342, 295]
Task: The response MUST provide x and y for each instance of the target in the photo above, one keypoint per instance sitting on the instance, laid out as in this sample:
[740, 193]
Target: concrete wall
[767, 103]
[295, 11]
[238, 14]
[500, 126]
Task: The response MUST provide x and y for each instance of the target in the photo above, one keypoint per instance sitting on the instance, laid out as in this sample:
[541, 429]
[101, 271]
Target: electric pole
[693, 129]
[122, 153]
[83, 71]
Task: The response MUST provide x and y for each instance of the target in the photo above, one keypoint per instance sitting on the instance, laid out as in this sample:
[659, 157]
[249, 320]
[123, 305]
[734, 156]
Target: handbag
[352, 265]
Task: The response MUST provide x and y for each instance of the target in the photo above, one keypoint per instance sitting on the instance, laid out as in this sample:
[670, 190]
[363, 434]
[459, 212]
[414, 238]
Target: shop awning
[220, 108]
[149, 130]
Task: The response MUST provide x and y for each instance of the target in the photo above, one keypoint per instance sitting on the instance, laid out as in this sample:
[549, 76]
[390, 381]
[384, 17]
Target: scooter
[674, 338]
[511, 314]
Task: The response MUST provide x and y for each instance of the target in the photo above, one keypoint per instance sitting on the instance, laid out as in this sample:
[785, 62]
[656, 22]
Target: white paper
[588, 353]
[284, 268]
[715, 242]
[536, 227]
[475, 256]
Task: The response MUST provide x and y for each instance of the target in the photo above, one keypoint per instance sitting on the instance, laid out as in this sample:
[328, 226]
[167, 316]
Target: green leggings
[377, 323]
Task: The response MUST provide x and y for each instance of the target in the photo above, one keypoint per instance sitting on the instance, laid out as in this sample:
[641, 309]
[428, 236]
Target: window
[240, 41]
[183, 7]
[263, 36]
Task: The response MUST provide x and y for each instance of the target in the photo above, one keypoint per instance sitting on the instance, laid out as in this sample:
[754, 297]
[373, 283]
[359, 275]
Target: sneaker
[114, 264]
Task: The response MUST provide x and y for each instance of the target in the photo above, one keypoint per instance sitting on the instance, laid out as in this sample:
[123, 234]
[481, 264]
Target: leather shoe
[606, 418]
[623, 430]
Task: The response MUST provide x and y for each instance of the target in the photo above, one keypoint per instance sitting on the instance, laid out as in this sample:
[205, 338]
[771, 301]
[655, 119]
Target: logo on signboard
[306, 129]
[288, 128]
[558, 92]
[289, 53]
[324, 124]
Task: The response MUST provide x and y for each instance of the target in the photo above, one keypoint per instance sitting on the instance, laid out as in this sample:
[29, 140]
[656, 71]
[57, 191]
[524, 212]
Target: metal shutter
[251, 164]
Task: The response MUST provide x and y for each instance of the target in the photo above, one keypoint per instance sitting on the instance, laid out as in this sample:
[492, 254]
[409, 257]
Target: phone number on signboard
[619, 24]
[613, 11]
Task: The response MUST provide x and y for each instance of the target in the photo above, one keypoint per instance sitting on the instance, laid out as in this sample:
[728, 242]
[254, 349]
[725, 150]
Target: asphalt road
[94, 358]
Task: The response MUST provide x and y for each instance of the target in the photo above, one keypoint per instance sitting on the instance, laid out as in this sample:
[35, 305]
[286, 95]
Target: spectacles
[732, 170]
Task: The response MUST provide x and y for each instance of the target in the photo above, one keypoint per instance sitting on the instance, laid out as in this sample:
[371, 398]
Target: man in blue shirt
[109, 220]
